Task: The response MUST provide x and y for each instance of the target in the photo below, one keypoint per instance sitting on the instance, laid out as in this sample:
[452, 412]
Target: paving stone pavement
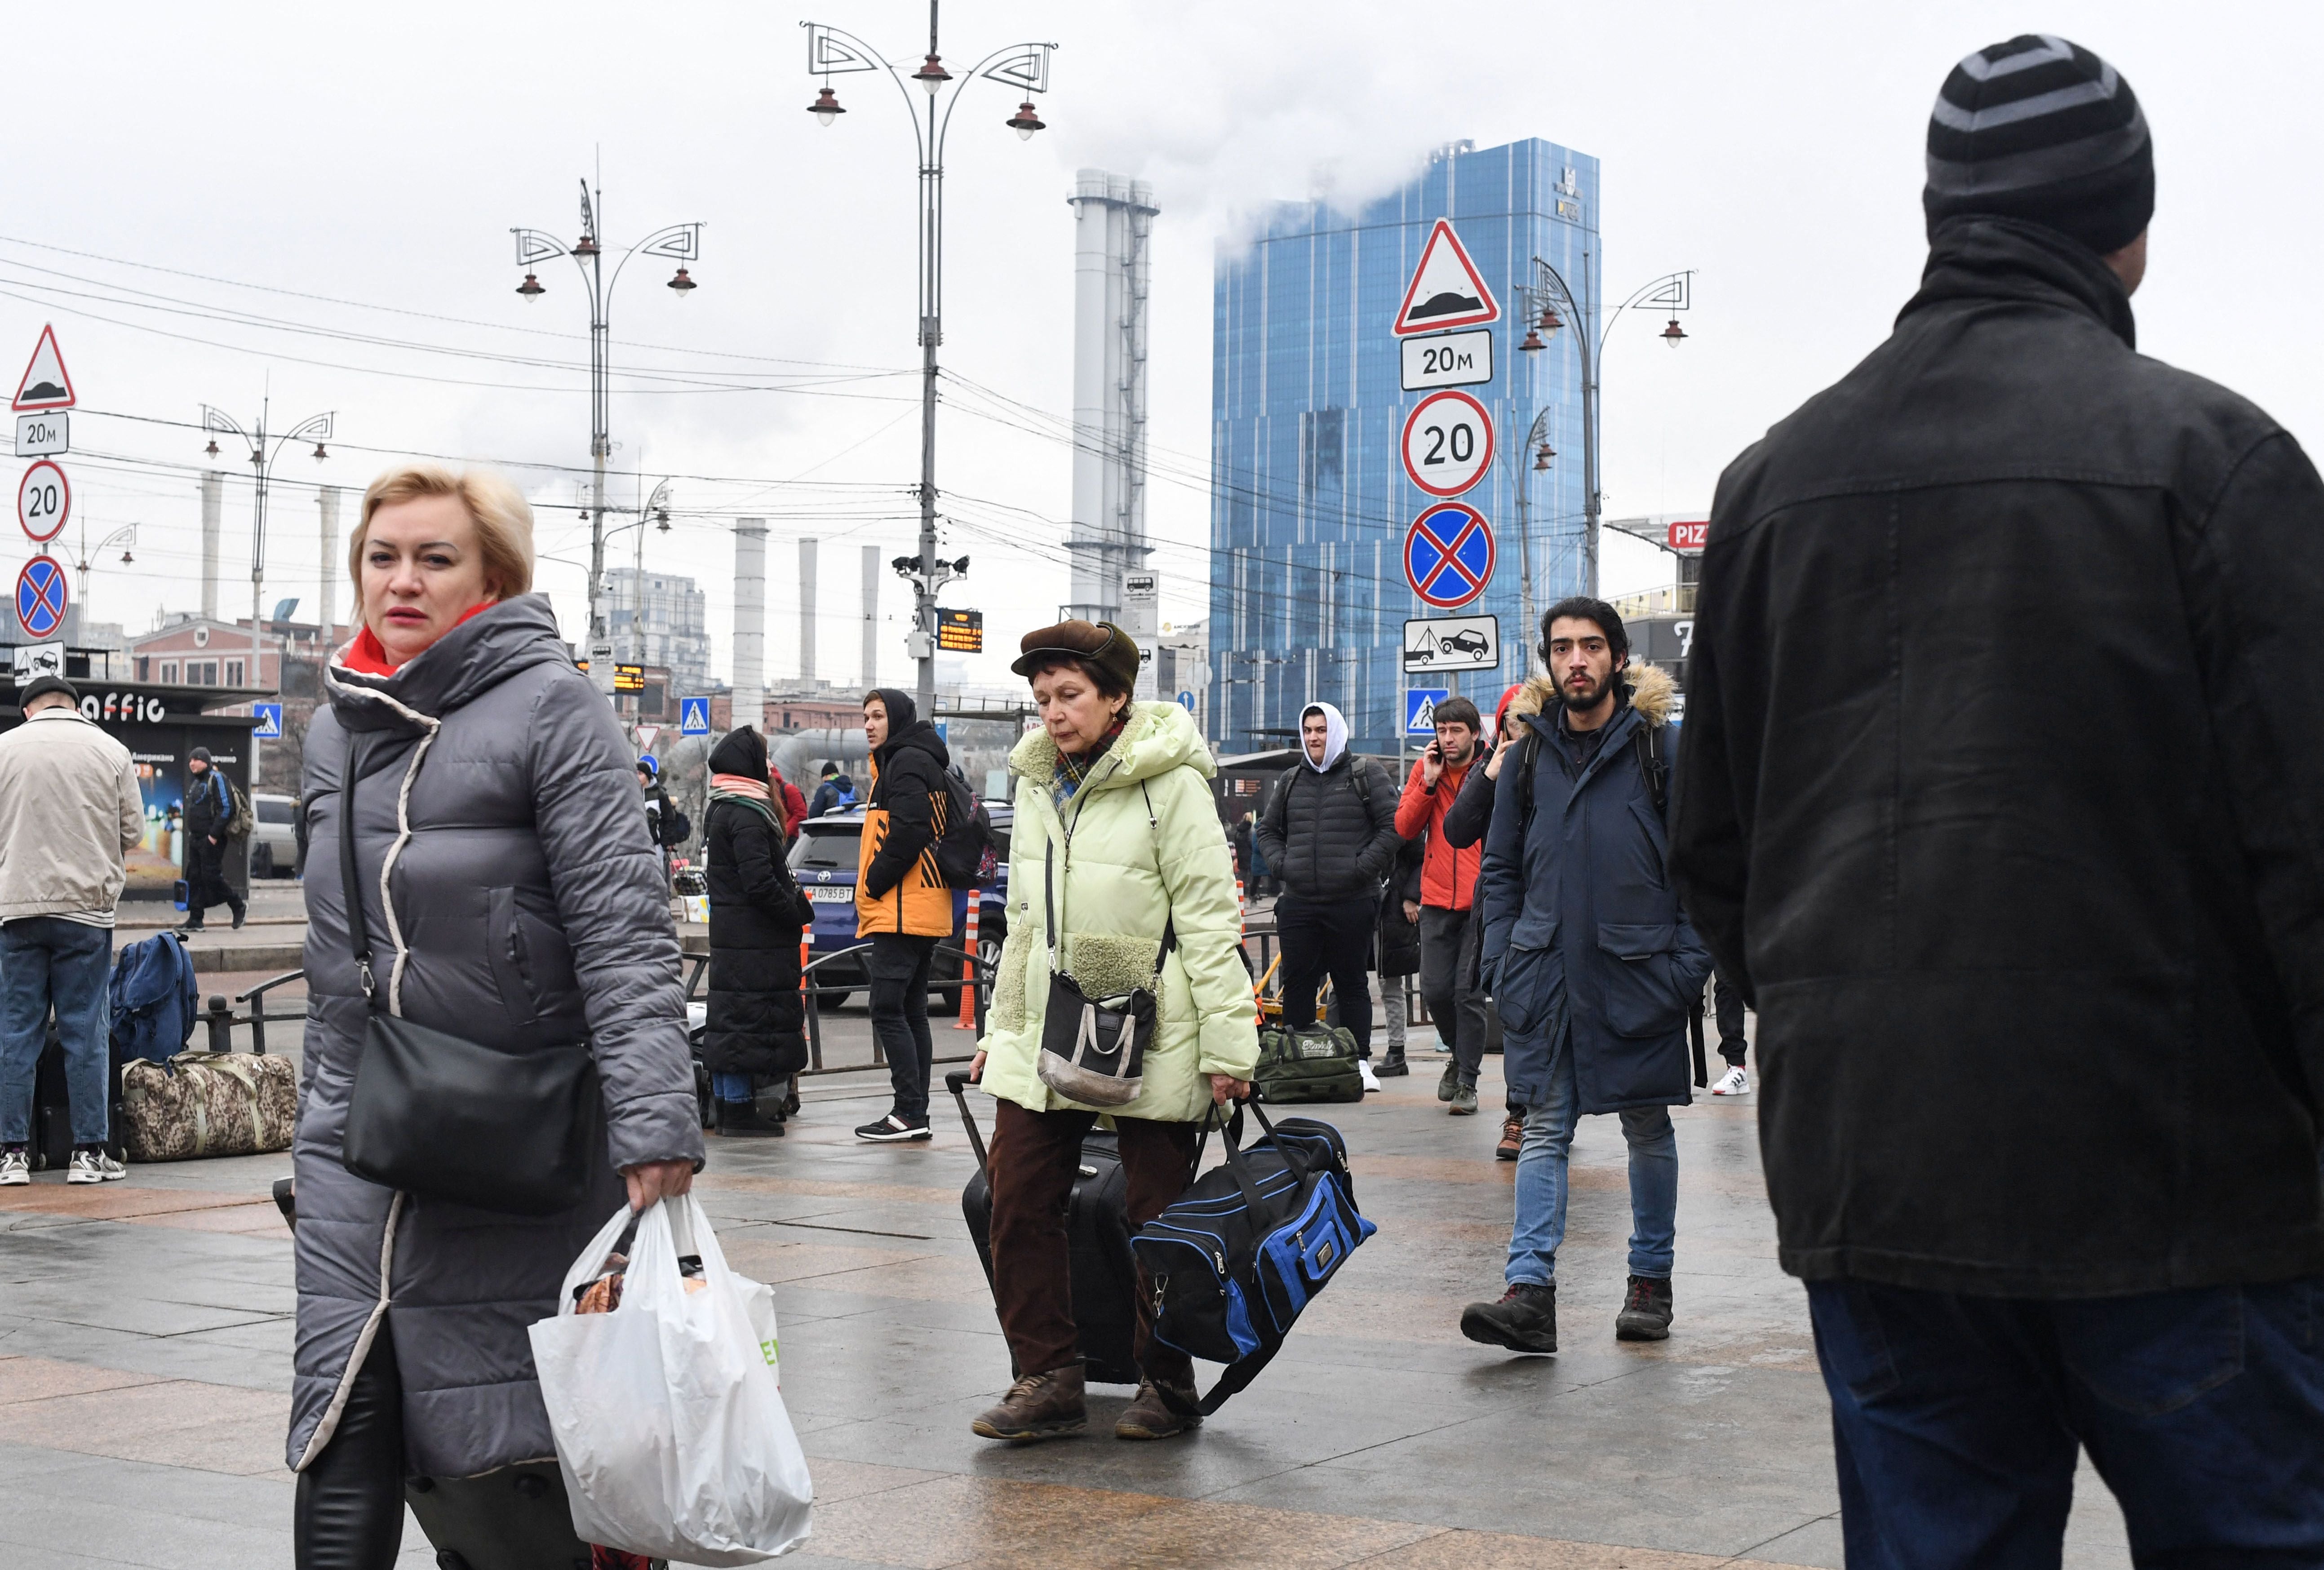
[145, 1331]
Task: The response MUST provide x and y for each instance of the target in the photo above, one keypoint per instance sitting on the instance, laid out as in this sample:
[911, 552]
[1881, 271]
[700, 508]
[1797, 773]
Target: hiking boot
[1512, 1138]
[894, 1130]
[742, 1119]
[1042, 1405]
[1149, 1416]
[1524, 1320]
[15, 1166]
[1645, 1313]
[1449, 1083]
[1393, 1066]
[1464, 1101]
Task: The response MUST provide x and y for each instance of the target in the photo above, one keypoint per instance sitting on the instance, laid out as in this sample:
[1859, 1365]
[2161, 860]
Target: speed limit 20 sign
[43, 502]
[1448, 443]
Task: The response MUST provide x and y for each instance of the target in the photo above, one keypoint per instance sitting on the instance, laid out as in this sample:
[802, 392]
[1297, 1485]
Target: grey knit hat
[2041, 129]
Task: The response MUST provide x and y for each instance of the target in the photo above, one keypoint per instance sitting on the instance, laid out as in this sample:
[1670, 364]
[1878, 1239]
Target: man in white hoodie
[69, 811]
[1329, 833]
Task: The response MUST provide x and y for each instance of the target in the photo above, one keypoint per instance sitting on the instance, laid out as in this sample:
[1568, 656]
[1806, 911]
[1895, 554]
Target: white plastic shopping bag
[670, 1431]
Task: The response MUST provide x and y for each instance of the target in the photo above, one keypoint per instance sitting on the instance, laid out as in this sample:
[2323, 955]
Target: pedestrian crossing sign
[694, 717]
[269, 721]
[1420, 709]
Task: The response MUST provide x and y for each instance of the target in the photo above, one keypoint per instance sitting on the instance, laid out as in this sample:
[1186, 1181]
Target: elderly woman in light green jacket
[1115, 812]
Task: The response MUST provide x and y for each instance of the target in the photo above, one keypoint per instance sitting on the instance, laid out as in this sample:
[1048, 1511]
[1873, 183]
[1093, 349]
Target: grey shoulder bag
[446, 1118]
[1094, 1050]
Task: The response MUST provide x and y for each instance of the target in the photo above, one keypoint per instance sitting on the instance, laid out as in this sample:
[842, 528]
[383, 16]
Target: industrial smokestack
[1113, 221]
[213, 506]
[871, 617]
[749, 622]
[806, 612]
[327, 503]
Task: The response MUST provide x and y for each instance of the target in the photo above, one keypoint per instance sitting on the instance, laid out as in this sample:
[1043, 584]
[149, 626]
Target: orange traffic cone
[967, 1021]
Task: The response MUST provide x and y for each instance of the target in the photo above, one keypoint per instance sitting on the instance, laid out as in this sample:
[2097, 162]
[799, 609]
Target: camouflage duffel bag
[208, 1103]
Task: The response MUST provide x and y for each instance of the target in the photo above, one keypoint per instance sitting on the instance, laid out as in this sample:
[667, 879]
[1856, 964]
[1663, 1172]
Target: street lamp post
[830, 53]
[264, 449]
[1531, 455]
[1673, 291]
[84, 559]
[680, 242]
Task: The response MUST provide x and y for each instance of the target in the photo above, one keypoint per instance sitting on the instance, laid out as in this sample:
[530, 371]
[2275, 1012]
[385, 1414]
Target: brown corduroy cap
[1100, 644]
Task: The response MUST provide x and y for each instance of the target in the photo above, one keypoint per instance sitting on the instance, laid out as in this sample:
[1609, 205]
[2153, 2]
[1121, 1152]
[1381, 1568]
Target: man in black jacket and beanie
[1329, 835]
[2037, 945]
[209, 813]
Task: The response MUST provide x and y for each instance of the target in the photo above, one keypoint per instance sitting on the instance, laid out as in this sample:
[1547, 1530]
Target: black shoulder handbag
[1094, 1050]
[446, 1118]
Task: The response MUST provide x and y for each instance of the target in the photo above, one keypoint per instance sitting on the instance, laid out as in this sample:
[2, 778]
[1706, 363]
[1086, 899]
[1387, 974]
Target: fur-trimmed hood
[1158, 736]
[1648, 688]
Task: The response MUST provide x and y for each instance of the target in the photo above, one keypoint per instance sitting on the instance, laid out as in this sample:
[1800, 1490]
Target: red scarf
[365, 657]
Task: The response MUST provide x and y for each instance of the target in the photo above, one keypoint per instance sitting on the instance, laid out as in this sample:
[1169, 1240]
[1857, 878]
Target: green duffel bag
[1313, 1063]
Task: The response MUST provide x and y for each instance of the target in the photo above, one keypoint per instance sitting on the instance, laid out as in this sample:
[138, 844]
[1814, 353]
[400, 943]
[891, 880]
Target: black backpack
[966, 852]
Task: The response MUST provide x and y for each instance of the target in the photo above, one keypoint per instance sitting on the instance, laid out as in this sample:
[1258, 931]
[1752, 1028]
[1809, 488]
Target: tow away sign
[1434, 643]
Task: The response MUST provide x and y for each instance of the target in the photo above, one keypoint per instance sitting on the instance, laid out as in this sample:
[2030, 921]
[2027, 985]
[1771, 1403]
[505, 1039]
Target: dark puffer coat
[1399, 941]
[757, 912]
[2001, 793]
[1328, 836]
[512, 897]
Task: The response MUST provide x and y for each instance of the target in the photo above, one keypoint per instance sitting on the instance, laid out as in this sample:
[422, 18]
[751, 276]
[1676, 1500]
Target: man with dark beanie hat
[2043, 130]
[2003, 800]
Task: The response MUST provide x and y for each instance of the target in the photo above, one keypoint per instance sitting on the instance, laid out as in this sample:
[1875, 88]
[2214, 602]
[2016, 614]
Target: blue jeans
[1956, 1420]
[1541, 1183]
[730, 1087]
[47, 960]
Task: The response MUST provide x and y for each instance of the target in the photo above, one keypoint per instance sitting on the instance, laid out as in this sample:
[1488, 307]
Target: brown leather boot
[1149, 1418]
[1042, 1405]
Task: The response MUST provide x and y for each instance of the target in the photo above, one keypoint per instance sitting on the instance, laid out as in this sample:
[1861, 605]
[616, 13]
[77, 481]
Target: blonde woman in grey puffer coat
[513, 898]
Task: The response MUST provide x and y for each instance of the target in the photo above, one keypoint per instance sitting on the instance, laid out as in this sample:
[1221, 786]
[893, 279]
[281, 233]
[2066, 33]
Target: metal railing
[817, 989]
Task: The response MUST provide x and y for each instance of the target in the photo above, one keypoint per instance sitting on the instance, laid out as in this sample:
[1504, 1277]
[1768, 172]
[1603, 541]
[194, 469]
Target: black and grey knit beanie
[2041, 129]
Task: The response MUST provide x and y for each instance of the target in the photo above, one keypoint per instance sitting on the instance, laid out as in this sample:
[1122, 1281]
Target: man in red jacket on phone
[1448, 880]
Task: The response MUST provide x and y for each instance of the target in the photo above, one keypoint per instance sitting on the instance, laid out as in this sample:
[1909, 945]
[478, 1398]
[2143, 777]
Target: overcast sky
[227, 161]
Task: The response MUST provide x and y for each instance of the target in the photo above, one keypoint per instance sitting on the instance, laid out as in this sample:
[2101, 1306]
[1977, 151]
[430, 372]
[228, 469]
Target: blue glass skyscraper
[1309, 500]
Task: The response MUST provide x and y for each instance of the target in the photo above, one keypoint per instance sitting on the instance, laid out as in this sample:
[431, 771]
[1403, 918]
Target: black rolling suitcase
[51, 1144]
[1097, 1235]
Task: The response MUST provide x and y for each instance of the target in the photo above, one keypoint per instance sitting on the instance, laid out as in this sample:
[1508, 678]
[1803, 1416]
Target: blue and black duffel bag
[1238, 1257]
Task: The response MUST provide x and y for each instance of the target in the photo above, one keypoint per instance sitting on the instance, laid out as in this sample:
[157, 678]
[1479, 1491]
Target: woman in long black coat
[757, 912]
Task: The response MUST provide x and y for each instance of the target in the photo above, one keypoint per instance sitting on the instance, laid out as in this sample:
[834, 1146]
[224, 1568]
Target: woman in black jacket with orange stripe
[757, 913]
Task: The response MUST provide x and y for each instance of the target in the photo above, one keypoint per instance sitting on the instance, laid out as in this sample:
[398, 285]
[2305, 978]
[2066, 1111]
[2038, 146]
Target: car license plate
[843, 895]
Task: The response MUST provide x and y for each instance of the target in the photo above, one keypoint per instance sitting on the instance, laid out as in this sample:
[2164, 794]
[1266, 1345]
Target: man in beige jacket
[69, 811]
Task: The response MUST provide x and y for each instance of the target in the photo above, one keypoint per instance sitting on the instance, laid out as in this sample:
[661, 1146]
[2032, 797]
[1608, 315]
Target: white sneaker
[1364, 1072]
[1734, 1082]
[94, 1167]
[16, 1168]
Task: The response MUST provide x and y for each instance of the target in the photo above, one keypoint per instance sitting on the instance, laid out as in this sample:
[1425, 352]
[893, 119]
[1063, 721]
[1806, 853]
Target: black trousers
[898, 967]
[1448, 981]
[1727, 1003]
[205, 882]
[1334, 937]
[349, 1511]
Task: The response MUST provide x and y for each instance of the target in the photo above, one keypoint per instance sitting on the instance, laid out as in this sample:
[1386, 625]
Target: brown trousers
[1034, 1159]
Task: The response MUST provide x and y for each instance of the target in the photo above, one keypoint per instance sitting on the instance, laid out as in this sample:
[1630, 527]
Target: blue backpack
[154, 1002]
[1247, 1248]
